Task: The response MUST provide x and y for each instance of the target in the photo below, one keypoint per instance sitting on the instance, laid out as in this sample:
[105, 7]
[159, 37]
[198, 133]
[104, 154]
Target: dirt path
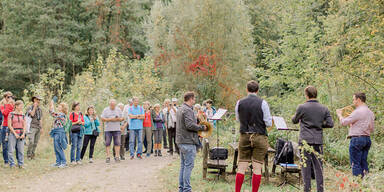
[126, 176]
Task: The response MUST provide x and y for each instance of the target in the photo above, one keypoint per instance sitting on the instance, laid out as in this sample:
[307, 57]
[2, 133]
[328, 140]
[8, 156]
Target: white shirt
[171, 120]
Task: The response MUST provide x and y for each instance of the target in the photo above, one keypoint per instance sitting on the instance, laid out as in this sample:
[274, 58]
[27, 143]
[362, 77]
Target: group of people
[131, 127]
[254, 116]
[16, 126]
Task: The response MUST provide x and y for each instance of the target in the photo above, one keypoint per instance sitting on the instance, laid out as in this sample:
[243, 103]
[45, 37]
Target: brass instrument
[203, 121]
[347, 110]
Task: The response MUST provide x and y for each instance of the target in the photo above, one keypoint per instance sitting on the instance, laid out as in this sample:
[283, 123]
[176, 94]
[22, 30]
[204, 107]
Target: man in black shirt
[313, 117]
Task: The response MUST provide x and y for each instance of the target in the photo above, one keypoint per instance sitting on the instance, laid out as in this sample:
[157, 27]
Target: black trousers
[88, 138]
[313, 163]
[172, 140]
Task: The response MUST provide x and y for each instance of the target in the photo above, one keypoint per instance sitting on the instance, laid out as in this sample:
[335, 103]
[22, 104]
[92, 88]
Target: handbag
[77, 127]
[95, 133]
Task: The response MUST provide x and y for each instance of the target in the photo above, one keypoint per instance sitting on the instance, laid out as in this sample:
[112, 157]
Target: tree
[206, 48]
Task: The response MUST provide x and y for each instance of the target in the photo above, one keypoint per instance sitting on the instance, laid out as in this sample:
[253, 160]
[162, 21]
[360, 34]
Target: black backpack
[284, 152]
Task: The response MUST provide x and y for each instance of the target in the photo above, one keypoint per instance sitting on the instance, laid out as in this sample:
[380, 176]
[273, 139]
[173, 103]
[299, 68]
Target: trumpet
[203, 121]
[347, 110]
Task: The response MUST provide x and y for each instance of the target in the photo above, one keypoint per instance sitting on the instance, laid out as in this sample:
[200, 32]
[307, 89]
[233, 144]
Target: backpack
[13, 115]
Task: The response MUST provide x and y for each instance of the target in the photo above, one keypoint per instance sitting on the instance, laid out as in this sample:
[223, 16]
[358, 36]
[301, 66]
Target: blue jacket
[62, 139]
[90, 126]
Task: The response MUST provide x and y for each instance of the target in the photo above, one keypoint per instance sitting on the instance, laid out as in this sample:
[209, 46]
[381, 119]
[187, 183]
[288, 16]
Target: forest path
[126, 176]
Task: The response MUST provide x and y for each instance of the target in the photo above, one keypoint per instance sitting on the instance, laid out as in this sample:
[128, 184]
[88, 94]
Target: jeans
[88, 138]
[312, 161]
[358, 154]
[4, 143]
[187, 160]
[75, 146]
[33, 139]
[59, 150]
[14, 143]
[133, 135]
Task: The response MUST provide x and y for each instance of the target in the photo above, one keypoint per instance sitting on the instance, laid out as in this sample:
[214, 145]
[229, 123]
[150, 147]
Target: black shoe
[160, 155]
[122, 158]
[166, 147]
[155, 153]
[169, 151]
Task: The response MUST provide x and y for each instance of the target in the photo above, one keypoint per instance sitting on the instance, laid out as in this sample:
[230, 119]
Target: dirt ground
[126, 176]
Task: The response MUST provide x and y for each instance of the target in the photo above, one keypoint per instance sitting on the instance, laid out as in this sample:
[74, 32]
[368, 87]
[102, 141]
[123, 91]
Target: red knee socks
[239, 181]
[256, 179]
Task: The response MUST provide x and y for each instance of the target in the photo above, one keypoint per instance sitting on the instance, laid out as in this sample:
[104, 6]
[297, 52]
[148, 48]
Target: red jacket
[5, 110]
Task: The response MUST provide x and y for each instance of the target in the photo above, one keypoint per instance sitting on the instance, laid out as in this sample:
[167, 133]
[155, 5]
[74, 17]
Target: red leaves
[203, 65]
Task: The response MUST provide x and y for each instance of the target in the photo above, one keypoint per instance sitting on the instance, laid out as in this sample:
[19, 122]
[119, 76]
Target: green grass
[170, 181]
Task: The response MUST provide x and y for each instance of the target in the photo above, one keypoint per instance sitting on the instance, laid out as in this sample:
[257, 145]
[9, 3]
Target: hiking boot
[160, 155]
[108, 160]
[132, 157]
[90, 160]
[155, 153]
[139, 156]
[117, 160]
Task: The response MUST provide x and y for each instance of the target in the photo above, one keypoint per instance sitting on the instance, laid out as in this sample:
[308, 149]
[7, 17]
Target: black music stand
[217, 117]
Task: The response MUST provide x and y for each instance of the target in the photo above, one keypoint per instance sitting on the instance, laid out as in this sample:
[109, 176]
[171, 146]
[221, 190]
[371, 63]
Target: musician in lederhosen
[254, 116]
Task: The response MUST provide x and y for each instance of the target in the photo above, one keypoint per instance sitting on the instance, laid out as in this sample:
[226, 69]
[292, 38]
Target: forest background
[92, 50]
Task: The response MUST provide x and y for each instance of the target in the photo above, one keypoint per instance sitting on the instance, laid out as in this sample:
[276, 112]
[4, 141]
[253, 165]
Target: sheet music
[219, 114]
[279, 122]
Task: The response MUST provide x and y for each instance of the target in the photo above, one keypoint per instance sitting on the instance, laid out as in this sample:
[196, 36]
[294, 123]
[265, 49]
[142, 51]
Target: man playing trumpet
[361, 122]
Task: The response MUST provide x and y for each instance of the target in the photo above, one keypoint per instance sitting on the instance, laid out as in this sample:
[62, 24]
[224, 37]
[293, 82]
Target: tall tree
[202, 45]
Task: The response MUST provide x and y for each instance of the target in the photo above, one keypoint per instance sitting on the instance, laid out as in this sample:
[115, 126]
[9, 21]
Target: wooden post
[205, 157]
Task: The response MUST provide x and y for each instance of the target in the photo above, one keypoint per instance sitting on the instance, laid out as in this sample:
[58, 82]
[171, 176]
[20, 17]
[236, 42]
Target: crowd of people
[132, 127]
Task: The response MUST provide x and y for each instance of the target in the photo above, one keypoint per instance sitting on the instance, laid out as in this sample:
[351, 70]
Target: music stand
[217, 117]
[280, 124]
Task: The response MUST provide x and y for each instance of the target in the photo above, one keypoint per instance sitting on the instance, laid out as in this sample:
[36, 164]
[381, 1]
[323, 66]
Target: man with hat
[35, 113]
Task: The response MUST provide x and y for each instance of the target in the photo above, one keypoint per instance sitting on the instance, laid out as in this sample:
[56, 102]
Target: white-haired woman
[157, 128]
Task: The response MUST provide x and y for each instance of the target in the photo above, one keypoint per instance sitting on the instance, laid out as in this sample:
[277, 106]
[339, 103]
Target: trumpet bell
[346, 111]
[208, 132]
